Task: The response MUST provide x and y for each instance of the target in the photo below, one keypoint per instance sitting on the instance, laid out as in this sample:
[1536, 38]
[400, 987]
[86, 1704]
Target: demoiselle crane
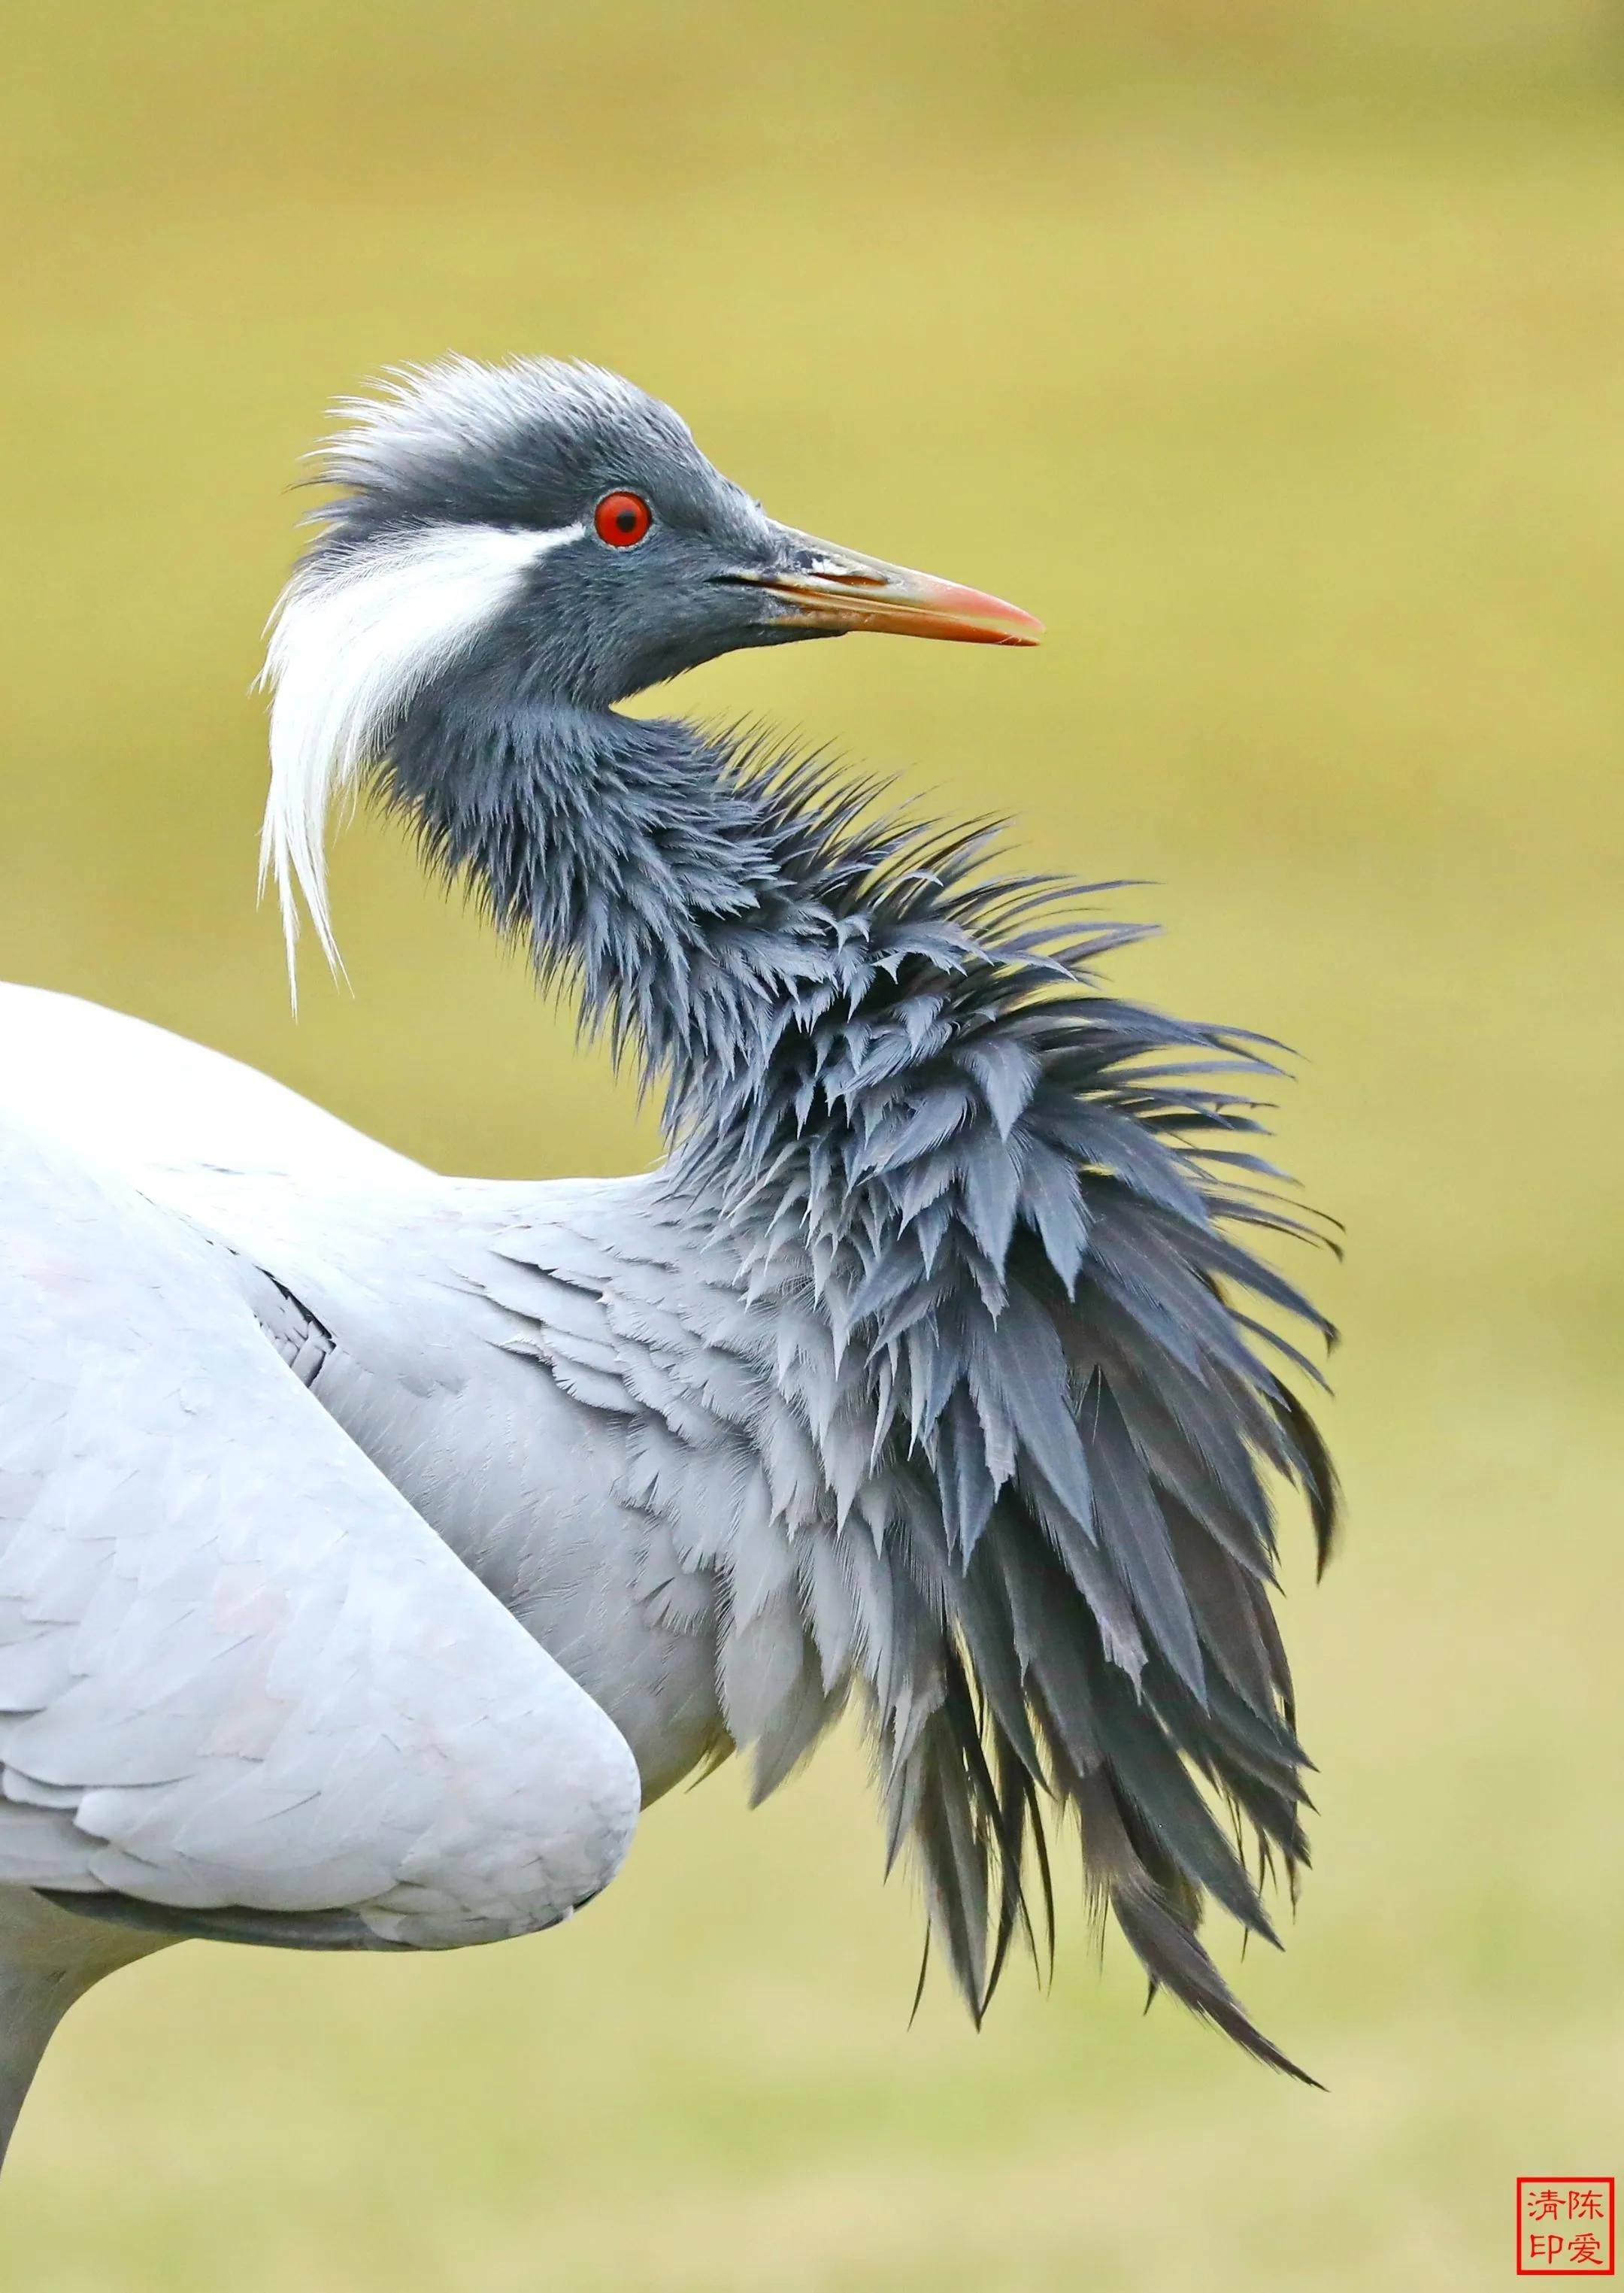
[373, 1544]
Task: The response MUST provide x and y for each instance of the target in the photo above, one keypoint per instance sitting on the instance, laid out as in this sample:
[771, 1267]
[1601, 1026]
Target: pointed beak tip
[974, 614]
[846, 591]
[921, 606]
[1025, 629]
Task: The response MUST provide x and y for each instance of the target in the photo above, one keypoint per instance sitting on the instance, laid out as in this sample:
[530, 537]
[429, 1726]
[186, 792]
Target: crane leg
[32, 2003]
[48, 1958]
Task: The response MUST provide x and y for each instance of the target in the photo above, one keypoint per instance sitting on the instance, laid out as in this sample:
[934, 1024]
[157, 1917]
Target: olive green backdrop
[1273, 354]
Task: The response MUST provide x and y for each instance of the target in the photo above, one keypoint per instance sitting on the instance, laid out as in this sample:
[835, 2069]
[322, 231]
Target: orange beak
[832, 589]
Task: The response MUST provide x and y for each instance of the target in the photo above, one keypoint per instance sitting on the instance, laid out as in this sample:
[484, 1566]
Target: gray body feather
[932, 1368]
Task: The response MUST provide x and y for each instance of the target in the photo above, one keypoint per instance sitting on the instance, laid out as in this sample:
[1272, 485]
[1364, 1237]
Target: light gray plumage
[244, 1689]
[919, 1371]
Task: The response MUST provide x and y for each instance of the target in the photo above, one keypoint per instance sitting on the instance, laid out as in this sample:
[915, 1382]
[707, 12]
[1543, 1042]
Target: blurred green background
[1275, 355]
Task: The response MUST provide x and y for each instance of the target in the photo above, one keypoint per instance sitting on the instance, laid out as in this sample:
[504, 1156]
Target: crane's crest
[456, 427]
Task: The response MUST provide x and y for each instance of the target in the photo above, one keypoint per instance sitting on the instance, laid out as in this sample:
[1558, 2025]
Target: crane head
[538, 531]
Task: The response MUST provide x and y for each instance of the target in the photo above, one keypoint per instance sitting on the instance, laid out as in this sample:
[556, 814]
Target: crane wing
[390, 1323]
[241, 1681]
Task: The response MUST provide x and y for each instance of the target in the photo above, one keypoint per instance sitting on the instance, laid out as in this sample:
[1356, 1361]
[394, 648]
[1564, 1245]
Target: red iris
[622, 520]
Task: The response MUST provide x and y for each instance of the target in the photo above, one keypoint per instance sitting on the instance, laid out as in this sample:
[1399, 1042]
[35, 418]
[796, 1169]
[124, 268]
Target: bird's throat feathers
[701, 894]
[858, 1031]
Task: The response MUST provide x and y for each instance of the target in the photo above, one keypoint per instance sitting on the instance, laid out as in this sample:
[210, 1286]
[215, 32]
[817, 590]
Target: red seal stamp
[1564, 2225]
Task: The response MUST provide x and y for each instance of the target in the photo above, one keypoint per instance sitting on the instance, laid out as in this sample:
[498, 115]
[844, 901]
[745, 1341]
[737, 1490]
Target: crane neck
[648, 864]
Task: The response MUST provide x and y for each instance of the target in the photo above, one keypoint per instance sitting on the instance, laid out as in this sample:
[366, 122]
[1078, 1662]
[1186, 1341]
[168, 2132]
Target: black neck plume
[637, 862]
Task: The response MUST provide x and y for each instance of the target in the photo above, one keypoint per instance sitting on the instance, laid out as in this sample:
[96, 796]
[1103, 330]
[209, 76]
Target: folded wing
[241, 1681]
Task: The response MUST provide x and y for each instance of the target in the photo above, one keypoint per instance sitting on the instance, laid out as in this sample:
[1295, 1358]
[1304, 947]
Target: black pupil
[626, 519]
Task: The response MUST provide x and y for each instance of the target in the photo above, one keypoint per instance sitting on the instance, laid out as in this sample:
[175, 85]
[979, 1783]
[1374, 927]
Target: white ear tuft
[352, 642]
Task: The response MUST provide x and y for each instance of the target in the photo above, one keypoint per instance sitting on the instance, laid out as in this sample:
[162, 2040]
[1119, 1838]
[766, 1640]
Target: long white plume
[350, 645]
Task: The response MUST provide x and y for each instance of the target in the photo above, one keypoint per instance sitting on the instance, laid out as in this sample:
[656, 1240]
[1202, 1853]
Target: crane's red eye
[622, 520]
